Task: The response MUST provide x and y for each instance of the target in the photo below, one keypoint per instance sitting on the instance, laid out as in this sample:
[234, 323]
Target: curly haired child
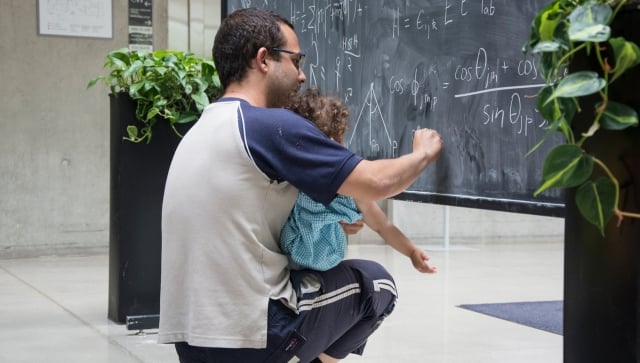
[312, 236]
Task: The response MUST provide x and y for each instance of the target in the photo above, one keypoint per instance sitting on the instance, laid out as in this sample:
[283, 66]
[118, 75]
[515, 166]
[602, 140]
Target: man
[226, 292]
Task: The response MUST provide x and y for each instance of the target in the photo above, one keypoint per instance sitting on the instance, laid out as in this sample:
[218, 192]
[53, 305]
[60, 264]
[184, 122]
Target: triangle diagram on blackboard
[372, 127]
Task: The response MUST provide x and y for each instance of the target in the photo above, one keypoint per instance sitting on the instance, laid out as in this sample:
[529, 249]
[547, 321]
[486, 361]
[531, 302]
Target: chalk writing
[452, 65]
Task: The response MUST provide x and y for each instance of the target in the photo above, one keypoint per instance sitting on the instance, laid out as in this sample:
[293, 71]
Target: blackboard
[456, 66]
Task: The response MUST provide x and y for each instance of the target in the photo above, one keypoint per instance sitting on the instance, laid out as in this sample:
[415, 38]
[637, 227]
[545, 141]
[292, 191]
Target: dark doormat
[543, 315]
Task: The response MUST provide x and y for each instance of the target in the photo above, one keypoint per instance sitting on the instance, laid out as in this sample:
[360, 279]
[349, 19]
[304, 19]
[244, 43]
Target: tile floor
[53, 309]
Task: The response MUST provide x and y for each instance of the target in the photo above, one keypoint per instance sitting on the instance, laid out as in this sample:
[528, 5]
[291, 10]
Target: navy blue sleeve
[288, 147]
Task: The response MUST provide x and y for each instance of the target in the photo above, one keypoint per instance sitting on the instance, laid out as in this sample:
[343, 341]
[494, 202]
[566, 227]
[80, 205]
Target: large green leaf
[201, 100]
[588, 22]
[627, 55]
[593, 12]
[548, 61]
[596, 201]
[618, 116]
[186, 117]
[557, 108]
[153, 112]
[578, 84]
[119, 59]
[546, 21]
[565, 166]
[135, 88]
[546, 46]
[559, 112]
[134, 68]
[544, 24]
[590, 33]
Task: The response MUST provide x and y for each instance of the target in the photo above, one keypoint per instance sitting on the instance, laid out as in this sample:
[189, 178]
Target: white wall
[425, 225]
[193, 25]
[54, 156]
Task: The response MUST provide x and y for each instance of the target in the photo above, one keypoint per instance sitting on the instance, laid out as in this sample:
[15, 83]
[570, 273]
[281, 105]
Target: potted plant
[589, 56]
[166, 85]
[154, 99]
[562, 30]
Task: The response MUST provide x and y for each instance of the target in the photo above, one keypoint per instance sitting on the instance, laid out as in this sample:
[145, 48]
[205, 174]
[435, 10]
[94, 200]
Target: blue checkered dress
[312, 236]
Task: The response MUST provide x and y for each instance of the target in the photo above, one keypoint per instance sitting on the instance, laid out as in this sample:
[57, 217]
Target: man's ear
[261, 59]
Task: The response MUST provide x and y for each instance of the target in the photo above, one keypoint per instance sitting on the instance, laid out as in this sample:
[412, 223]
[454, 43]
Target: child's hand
[352, 228]
[419, 260]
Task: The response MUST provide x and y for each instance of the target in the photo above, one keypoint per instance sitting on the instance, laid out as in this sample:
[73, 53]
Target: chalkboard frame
[529, 206]
[495, 204]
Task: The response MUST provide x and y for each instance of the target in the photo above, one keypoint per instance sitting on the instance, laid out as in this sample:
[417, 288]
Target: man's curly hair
[328, 113]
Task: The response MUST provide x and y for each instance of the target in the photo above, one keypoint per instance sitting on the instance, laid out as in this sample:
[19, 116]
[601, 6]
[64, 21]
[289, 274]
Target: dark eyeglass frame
[298, 63]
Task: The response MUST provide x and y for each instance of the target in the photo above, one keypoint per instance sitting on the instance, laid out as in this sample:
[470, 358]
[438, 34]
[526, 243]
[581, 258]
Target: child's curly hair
[328, 113]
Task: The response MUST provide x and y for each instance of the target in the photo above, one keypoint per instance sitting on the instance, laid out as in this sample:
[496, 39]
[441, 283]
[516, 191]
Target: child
[312, 236]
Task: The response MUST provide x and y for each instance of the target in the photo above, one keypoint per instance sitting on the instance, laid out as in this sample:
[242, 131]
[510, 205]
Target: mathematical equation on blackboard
[456, 66]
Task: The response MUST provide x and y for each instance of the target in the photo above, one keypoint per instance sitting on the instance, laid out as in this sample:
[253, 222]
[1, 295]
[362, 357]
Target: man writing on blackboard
[226, 292]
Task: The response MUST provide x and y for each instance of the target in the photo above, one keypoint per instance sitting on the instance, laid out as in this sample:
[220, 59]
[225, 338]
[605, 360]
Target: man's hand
[383, 178]
[352, 228]
[427, 141]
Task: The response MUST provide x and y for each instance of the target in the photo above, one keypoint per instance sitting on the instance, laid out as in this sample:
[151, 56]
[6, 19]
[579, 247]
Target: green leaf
[627, 55]
[153, 112]
[201, 100]
[565, 166]
[591, 33]
[208, 69]
[555, 109]
[133, 69]
[561, 35]
[589, 22]
[202, 86]
[578, 84]
[93, 81]
[547, 20]
[547, 64]
[596, 201]
[592, 12]
[120, 58]
[160, 102]
[618, 116]
[546, 46]
[132, 131]
[186, 117]
[216, 83]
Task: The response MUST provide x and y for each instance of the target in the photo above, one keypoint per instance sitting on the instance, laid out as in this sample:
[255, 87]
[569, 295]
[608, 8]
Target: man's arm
[380, 179]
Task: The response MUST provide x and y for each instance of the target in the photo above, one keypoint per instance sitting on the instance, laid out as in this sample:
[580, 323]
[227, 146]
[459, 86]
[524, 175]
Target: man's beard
[281, 99]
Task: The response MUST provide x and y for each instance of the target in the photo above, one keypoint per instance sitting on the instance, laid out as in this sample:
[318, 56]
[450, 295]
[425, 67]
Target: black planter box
[138, 174]
[602, 274]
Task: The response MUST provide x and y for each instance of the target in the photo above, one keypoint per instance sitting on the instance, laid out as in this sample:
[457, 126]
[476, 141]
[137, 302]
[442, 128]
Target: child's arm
[375, 218]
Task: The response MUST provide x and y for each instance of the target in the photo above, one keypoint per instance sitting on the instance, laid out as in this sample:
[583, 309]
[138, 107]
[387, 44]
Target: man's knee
[379, 292]
[369, 269]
